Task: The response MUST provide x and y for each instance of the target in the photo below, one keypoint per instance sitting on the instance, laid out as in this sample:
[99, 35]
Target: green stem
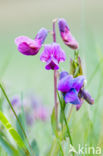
[70, 113]
[14, 113]
[67, 127]
[68, 131]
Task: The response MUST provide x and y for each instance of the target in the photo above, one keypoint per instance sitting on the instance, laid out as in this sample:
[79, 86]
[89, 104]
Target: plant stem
[70, 112]
[14, 113]
[54, 33]
[68, 131]
[66, 123]
[55, 78]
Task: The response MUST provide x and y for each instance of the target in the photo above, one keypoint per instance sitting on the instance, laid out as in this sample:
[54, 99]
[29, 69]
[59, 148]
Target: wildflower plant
[69, 86]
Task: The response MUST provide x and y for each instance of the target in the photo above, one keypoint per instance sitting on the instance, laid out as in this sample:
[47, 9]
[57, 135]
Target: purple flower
[15, 101]
[66, 35]
[73, 89]
[28, 46]
[70, 87]
[52, 55]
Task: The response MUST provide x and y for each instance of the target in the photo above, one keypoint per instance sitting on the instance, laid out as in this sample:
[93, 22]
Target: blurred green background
[22, 73]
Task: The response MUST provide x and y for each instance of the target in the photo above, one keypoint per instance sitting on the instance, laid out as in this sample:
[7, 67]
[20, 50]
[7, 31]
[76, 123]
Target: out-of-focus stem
[70, 112]
[54, 33]
[55, 78]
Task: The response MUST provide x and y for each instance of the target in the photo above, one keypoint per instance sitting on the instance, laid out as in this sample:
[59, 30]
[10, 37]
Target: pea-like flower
[52, 55]
[73, 89]
[66, 35]
[27, 46]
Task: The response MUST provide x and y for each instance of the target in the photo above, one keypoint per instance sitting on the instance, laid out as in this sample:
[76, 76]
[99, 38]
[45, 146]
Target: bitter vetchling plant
[69, 86]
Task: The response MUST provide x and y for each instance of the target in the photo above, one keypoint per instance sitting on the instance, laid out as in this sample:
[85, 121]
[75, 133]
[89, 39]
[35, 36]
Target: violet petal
[65, 84]
[78, 82]
[72, 97]
[41, 35]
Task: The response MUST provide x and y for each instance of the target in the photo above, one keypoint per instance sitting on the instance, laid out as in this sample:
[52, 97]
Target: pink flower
[28, 46]
[41, 113]
[52, 55]
[66, 35]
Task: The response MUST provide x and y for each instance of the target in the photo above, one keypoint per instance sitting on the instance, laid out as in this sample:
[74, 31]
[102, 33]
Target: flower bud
[87, 96]
[66, 35]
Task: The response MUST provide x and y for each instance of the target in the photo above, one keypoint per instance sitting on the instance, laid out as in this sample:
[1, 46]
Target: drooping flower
[52, 55]
[27, 46]
[66, 35]
[73, 89]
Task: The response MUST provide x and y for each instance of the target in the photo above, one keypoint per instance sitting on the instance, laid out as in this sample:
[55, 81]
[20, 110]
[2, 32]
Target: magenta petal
[58, 53]
[46, 54]
[78, 82]
[69, 40]
[52, 64]
[53, 50]
[66, 35]
[25, 49]
[27, 46]
[72, 97]
[22, 39]
[65, 84]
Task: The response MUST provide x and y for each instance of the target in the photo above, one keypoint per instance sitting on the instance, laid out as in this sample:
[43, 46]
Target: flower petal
[78, 82]
[66, 35]
[53, 50]
[63, 26]
[58, 53]
[78, 106]
[27, 46]
[41, 35]
[46, 54]
[63, 74]
[69, 40]
[72, 97]
[65, 83]
[52, 64]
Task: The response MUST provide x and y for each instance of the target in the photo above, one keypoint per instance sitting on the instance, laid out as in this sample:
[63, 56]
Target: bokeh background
[21, 73]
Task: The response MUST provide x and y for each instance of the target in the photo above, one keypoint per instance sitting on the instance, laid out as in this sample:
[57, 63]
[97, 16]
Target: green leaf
[7, 146]
[53, 122]
[35, 147]
[13, 133]
[19, 128]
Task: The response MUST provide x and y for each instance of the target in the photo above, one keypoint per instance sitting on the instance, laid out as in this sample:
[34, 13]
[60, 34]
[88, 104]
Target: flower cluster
[33, 108]
[53, 53]
[71, 88]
